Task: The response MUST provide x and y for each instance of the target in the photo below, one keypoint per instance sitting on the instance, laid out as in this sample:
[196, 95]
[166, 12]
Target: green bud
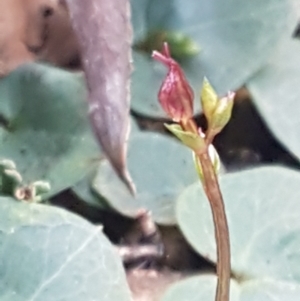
[41, 187]
[209, 99]
[222, 113]
[10, 181]
[13, 175]
[7, 164]
[191, 140]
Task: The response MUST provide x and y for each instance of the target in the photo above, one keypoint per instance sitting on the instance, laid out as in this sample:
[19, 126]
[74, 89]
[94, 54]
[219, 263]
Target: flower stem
[213, 193]
[212, 190]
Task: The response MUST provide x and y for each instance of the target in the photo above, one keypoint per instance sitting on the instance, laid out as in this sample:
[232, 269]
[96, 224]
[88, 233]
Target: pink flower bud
[175, 95]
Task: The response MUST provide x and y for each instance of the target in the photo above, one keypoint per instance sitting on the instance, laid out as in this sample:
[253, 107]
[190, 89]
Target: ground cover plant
[98, 200]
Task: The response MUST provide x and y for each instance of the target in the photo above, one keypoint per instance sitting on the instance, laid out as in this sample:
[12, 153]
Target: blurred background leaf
[276, 94]
[45, 128]
[160, 167]
[236, 40]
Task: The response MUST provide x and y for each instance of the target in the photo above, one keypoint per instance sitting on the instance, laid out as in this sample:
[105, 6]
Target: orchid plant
[176, 98]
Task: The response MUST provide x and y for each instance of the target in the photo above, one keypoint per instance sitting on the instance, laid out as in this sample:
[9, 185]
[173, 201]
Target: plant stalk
[214, 195]
[212, 190]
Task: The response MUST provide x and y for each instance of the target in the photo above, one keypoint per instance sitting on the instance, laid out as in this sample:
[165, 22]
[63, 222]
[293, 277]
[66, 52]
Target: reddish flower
[175, 95]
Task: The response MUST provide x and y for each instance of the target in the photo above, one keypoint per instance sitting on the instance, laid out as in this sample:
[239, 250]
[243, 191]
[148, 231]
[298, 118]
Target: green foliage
[45, 136]
[275, 90]
[197, 288]
[160, 167]
[84, 188]
[263, 212]
[203, 288]
[134, 127]
[45, 128]
[50, 254]
[189, 139]
[11, 184]
[10, 178]
[236, 39]
[84, 191]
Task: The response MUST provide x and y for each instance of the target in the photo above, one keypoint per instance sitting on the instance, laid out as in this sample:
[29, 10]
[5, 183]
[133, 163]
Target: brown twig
[213, 193]
[212, 190]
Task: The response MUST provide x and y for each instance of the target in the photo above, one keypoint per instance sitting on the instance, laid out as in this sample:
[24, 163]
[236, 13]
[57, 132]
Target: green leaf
[263, 211]
[47, 131]
[203, 288]
[189, 139]
[47, 253]
[160, 167]
[236, 39]
[145, 85]
[197, 288]
[84, 191]
[269, 290]
[276, 94]
[84, 188]
[134, 127]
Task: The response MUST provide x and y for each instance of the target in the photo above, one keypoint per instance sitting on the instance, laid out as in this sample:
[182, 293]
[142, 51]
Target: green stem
[212, 190]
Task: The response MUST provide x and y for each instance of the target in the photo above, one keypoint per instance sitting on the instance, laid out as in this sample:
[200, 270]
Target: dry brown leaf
[104, 33]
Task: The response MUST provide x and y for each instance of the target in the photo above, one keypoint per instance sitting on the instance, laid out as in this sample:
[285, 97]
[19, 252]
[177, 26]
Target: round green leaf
[204, 287]
[84, 188]
[269, 290]
[47, 253]
[160, 168]
[84, 191]
[139, 18]
[236, 39]
[263, 211]
[276, 93]
[146, 81]
[198, 288]
[134, 127]
[47, 131]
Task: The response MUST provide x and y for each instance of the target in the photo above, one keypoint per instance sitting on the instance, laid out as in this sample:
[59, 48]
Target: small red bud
[175, 95]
